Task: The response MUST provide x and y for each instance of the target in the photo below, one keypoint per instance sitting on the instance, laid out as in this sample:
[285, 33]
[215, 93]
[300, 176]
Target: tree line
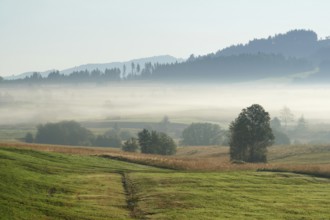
[72, 133]
[248, 136]
[240, 67]
[83, 76]
[233, 68]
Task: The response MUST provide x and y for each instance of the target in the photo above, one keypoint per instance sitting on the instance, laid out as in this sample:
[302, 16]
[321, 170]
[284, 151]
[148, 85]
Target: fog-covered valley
[218, 103]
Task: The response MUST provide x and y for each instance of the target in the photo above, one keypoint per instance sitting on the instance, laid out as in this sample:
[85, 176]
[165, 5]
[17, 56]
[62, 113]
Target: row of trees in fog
[196, 134]
[73, 133]
[249, 135]
[84, 76]
[231, 68]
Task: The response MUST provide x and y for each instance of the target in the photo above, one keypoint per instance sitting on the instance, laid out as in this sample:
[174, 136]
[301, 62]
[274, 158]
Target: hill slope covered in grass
[75, 185]
[38, 185]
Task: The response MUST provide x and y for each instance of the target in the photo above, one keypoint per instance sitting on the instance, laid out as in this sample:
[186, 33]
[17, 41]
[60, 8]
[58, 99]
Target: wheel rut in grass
[131, 197]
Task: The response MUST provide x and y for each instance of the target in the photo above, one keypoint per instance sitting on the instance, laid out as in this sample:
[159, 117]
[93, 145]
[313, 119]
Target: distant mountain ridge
[162, 59]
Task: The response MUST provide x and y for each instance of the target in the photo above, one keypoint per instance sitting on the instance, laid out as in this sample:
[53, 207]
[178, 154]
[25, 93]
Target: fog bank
[197, 102]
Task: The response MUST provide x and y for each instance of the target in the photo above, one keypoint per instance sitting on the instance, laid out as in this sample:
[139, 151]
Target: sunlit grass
[72, 184]
[291, 158]
[39, 185]
[232, 195]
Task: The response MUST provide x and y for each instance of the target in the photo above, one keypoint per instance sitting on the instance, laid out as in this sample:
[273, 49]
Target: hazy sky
[37, 35]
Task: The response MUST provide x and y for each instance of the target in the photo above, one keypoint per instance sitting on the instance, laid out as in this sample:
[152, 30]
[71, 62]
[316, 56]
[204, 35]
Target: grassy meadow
[232, 195]
[40, 185]
[57, 182]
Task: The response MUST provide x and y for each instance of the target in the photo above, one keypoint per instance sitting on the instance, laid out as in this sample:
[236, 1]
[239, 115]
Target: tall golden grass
[194, 158]
[60, 148]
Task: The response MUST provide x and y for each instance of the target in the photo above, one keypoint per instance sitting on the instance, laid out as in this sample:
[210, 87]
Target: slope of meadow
[39, 185]
[79, 184]
[231, 195]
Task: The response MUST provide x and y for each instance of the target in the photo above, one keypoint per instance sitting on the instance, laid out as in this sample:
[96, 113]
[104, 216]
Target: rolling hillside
[49, 185]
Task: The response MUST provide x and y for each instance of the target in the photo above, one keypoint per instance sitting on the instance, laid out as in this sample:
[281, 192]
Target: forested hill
[281, 55]
[235, 68]
[321, 77]
[294, 52]
[296, 43]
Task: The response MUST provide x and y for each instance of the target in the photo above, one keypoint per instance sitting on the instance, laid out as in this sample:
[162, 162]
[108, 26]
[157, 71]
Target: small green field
[44, 185]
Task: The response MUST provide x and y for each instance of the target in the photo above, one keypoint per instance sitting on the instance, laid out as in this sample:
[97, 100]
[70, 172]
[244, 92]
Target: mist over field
[209, 102]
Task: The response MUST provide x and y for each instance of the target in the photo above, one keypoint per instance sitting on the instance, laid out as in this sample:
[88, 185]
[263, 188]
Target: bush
[198, 134]
[281, 138]
[122, 134]
[156, 143]
[131, 145]
[107, 141]
[29, 138]
[126, 135]
[65, 133]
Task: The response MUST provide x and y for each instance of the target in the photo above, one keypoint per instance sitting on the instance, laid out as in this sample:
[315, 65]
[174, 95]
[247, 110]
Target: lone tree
[250, 134]
[301, 124]
[280, 138]
[286, 116]
[164, 124]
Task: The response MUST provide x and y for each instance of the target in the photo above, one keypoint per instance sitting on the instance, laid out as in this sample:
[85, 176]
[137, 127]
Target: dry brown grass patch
[193, 158]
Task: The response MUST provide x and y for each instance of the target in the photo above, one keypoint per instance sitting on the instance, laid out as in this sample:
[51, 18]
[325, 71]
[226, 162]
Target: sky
[39, 35]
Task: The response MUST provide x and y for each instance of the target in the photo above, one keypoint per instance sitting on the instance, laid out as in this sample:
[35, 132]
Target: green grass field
[232, 195]
[48, 185]
[38, 185]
